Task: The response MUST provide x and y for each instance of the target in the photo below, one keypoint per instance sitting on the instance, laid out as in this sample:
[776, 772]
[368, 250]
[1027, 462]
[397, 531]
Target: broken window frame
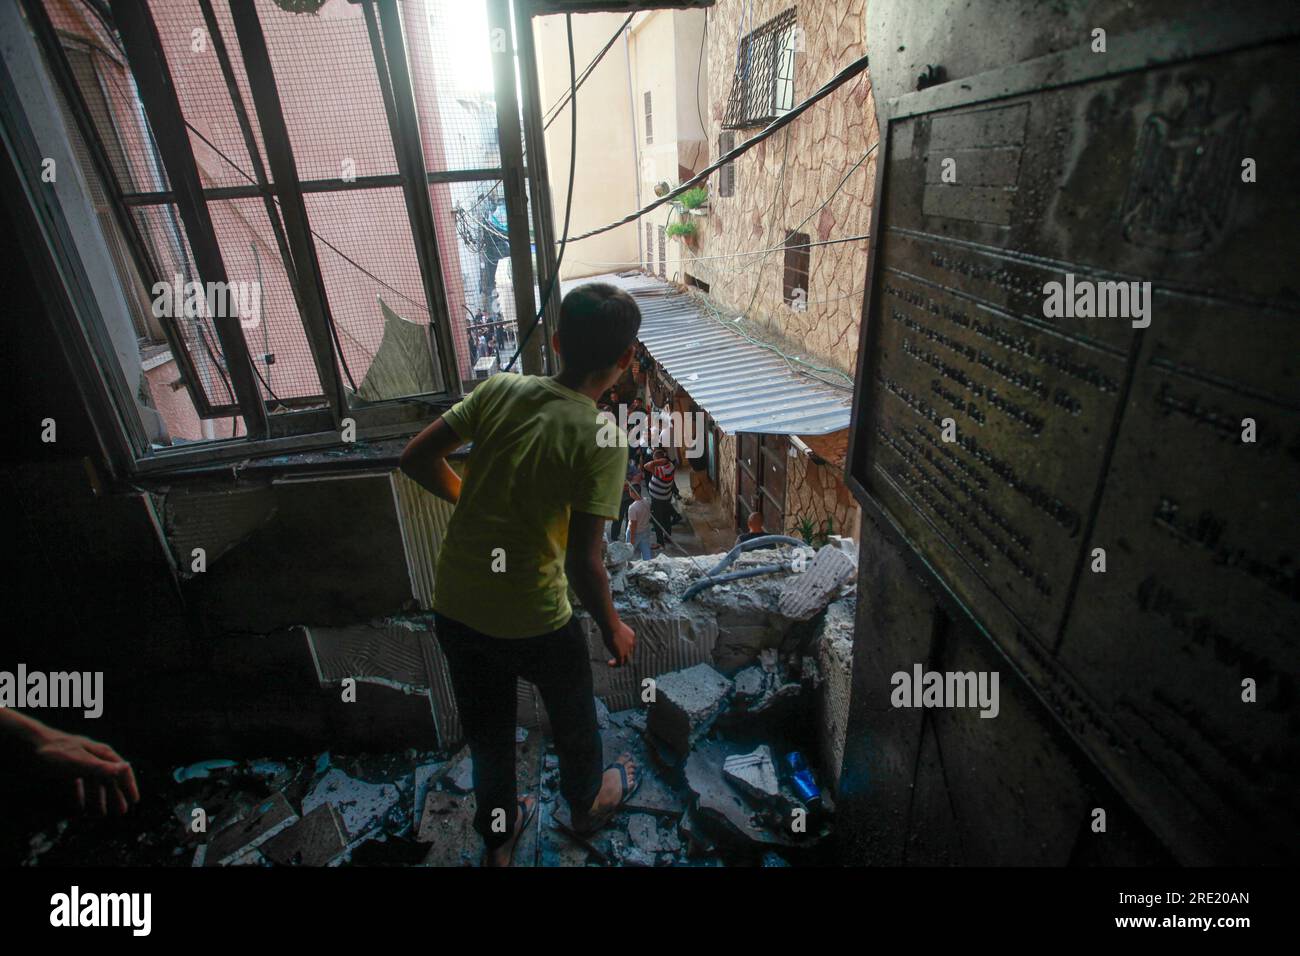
[311, 427]
[762, 87]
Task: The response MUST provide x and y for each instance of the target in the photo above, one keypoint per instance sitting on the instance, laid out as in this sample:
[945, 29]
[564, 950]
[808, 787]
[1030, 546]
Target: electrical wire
[777, 193]
[790, 360]
[568, 203]
[825, 202]
[838, 80]
[623, 264]
[554, 112]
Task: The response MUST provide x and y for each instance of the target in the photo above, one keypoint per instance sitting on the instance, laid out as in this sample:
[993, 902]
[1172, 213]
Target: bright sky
[459, 30]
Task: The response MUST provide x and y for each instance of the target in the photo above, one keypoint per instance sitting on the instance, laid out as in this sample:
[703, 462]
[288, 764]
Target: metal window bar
[763, 85]
[80, 87]
[317, 322]
[305, 60]
[157, 92]
[663, 252]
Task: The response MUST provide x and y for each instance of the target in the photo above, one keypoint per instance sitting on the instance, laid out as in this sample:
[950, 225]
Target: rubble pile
[734, 708]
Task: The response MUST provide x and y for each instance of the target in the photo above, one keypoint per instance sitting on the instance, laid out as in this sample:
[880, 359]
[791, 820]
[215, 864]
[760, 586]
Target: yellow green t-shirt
[540, 451]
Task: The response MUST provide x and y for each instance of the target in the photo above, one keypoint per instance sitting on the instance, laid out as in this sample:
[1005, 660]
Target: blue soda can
[805, 784]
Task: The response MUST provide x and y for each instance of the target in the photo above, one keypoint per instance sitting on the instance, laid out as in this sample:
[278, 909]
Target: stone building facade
[816, 178]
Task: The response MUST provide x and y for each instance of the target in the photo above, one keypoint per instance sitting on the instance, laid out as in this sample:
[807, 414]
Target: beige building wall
[667, 61]
[662, 53]
[606, 185]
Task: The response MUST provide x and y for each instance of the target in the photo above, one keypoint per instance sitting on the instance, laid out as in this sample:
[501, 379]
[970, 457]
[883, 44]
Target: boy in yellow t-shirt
[545, 471]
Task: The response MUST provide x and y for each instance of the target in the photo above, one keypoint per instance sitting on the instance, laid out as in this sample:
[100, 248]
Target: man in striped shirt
[661, 472]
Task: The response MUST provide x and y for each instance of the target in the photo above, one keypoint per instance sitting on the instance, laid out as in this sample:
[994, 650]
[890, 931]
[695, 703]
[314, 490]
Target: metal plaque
[1147, 404]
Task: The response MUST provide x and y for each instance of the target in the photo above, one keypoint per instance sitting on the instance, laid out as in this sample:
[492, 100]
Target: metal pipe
[707, 583]
[713, 578]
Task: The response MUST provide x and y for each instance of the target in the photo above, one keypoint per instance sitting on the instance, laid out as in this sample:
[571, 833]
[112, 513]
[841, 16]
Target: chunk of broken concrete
[648, 579]
[754, 774]
[806, 594]
[618, 553]
[685, 705]
[750, 683]
[721, 805]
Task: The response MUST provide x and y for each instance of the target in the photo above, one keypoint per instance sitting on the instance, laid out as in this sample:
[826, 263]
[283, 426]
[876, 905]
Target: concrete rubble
[685, 705]
[743, 673]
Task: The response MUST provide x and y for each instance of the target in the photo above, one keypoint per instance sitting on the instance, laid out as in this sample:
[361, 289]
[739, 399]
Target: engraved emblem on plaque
[1178, 195]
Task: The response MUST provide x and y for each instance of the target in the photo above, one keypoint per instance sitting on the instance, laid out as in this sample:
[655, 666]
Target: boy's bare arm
[424, 460]
[586, 572]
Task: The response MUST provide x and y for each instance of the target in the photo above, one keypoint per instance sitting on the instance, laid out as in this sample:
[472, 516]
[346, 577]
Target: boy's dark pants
[616, 527]
[483, 675]
[662, 510]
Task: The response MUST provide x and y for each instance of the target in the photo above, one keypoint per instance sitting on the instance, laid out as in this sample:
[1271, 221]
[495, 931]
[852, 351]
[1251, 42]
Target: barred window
[763, 86]
[727, 174]
[663, 253]
[649, 247]
[649, 120]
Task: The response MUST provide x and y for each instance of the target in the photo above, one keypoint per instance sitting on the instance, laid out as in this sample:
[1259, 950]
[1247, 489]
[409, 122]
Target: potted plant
[686, 231]
[695, 201]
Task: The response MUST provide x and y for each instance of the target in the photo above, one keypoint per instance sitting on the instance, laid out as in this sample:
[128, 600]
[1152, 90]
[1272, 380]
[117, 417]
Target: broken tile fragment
[754, 774]
[447, 825]
[461, 776]
[424, 777]
[685, 705]
[235, 842]
[315, 840]
[806, 594]
[363, 806]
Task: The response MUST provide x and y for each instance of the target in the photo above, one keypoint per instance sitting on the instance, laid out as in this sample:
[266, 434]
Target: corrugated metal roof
[745, 388]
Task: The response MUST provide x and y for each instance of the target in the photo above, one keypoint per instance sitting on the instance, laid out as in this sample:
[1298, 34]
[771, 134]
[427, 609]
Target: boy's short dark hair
[598, 322]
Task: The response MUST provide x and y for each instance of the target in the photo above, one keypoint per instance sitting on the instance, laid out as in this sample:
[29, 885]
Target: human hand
[89, 764]
[621, 641]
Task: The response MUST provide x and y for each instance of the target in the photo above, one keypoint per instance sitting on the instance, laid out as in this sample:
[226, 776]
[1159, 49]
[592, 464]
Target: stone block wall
[783, 181]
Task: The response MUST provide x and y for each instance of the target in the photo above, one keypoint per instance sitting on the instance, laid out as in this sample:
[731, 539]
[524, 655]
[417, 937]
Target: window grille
[763, 86]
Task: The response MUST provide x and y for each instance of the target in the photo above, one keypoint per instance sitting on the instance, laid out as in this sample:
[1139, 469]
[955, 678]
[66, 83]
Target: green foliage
[694, 198]
[815, 534]
[683, 229]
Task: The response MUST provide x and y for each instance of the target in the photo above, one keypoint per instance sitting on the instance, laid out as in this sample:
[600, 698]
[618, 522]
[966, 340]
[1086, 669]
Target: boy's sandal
[529, 810]
[592, 822]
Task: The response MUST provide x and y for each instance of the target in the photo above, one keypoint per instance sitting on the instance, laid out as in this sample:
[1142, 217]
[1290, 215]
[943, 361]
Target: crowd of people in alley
[646, 514]
[489, 337]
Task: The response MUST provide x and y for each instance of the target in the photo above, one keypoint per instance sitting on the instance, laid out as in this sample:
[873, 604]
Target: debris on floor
[734, 709]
